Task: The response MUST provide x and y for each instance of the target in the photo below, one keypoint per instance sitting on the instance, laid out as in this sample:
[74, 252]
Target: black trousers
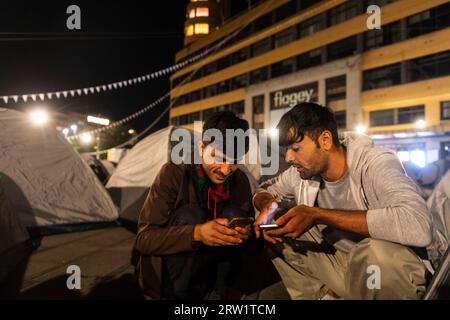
[190, 275]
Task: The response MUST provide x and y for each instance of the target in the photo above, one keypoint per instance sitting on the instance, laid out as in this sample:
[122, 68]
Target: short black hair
[223, 120]
[309, 119]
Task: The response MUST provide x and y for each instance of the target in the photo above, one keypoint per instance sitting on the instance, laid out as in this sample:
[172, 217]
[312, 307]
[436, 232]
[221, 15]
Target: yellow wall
[390, 13]
[229, 97]
[429, 93]
[228, 28]
[302, 16]
[409, 49]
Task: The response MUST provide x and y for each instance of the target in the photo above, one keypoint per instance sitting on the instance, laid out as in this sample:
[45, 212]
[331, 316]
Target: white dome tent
[44, 184]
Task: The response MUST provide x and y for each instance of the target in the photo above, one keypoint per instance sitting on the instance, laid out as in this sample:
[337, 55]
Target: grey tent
[135, 173]
[103, 169]
[44, 183]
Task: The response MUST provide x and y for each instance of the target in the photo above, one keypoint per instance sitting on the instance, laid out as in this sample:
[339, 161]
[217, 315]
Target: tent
[44, 184]
[103, 169]
[135, 173]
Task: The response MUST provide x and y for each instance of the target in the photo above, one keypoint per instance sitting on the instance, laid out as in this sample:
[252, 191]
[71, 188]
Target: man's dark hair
[309, 119]
[223, 120]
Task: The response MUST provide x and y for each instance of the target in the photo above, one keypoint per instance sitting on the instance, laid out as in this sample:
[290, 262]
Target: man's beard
[307, 174]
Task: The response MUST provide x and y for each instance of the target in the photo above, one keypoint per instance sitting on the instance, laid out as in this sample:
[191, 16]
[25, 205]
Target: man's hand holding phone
[217, 233]
[266, 215]
[242, 225]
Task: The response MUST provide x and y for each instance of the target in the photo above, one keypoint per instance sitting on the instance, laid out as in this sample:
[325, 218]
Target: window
[223, 63]
[389, 34]
[397, 116]
[194, 117]
[202, 12]
[210, 68]
[284, 37]
[432, 66]
[259, 75]
[410, 114]
[207, 113]
[428, 21]
[382, 118]
[303, 4]
[210, 91]
[178, 101]
[343, 12]
[223, 86]
[178, 80]
[258, 104]
[238, 108]
[189, 30]
[199, 12]
[239, 81]
[244, 33]
[309, 59]
[195, 95]
[310, 26]
[340, 118]
[286, 66]
[382, 77]
[201, 28]
[241, 55]
[263, 22]
[445, 110]
[285, 11]
[186, 119]
[261, 47]
[336, 88]
[342, 48]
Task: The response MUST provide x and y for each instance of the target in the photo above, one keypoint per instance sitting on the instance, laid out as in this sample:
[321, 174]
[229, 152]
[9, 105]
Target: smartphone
[269, 226]
[240, 222]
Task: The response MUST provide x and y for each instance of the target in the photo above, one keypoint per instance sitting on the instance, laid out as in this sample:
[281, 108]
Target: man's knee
[383, 269]
[190, 214]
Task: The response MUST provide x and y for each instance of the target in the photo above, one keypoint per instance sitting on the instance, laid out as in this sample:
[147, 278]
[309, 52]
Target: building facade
[392, 83]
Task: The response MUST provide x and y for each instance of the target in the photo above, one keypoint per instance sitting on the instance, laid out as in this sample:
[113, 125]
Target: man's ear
[326, 140]
[201, 148]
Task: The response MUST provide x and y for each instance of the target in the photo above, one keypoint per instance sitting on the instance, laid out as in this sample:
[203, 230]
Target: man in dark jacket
[182, 234]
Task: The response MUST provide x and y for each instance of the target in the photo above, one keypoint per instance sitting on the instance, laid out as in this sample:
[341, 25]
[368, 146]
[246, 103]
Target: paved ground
[104, 257]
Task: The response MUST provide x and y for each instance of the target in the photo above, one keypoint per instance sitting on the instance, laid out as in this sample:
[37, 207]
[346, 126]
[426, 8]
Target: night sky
[122, 40]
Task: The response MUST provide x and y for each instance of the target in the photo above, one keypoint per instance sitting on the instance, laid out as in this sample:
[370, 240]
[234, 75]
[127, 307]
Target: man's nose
[226, 168]
[289, 156]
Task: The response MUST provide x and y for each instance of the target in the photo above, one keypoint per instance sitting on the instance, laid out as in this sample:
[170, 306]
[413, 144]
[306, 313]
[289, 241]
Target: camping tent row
[45, 186]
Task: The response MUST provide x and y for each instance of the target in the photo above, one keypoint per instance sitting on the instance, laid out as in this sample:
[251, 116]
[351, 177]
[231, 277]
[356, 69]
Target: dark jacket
[172, 189]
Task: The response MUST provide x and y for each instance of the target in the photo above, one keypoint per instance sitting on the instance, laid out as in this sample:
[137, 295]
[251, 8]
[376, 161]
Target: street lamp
[420, 124]
[39, 117]
[74, 128]
[65, 132]
[86, 138]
